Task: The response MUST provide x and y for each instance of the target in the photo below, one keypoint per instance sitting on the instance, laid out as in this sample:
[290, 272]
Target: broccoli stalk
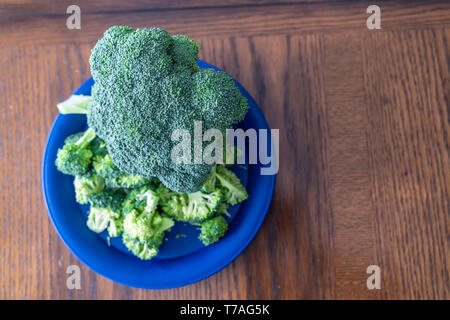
[75, 104]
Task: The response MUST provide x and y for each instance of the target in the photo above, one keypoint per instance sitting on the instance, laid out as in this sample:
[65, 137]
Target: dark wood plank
[229, 21]
[348, 165]
[406, 76]
[45, 7]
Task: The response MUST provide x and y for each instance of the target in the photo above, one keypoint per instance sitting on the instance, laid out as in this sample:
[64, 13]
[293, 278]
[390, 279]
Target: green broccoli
[108, 198]
[128, 181]
[104, 167]
[75, 157]
[87, 185]
[75, 104]
[212, 230]
[146, 226]
[143, 226]
[143, 251]
[192, 207]
[210, 184]
[147, 84]
[105, 212]
[233, 190]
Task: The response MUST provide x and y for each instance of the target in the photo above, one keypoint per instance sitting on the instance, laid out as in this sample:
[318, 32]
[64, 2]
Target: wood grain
[45, 7]
[364, 146]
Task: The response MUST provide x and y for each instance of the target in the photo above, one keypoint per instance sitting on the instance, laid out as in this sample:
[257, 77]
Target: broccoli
[75, 104]
[143, 226]
[143, 251]
[147, 84]
[100, 218]
[114, 177]
[75, 157]
[192, 207]
[210, 184]
[212, 230]
[87, 185]
[146, 226]
[108, 198]
[233, 190]
[105, 212]
[104, 166]
[128, 181]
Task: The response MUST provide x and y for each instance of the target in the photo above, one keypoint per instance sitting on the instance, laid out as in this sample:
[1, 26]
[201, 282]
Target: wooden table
[363, 115]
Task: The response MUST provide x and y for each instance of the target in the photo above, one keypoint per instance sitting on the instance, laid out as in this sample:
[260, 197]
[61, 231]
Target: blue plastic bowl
[182, 259]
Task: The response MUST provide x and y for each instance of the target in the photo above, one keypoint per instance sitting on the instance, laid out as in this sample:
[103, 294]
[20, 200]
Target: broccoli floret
[210, 184]
[146, 227]
[128, 181]
[75, 157]
[105, 168]
[143, 251]
[192, 207]
[100, 218]
[109, 198]
[105, 211]
[232, 188]
[223, 209]
[98, 147]
[212, 230]
[143, 199]
[115, 226]
[147, 84]
[87, 185]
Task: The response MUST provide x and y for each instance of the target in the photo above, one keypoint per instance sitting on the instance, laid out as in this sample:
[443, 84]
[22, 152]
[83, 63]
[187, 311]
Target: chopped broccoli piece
[87, 185]
[191, 207]
[99, 218]
[210, 184]
[212, 230]
[115, 226]
[105, 211]
[143, 251]
[231, 186]
[128, 181]
[75, 157]
[223, 209]
[105, 168]
[146, 227]
[108, 198]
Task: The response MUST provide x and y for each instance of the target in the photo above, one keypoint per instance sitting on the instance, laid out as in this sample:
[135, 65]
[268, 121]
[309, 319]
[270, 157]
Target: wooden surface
[364, 143]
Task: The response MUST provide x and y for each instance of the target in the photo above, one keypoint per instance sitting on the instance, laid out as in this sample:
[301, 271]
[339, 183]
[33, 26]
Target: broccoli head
[147, 85]
[212, 230]
[74, 157]
[87, 185]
